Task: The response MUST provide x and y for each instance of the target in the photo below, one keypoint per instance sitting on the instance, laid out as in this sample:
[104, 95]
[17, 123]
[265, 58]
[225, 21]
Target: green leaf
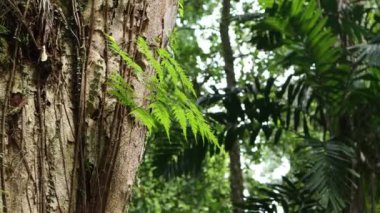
[117, 49]
[145, 50]
[180, 116]
[184, 79]
[168, 99]
[144, 117]
[161, 113]
[296, 7]
[121, 90]
[193, 122]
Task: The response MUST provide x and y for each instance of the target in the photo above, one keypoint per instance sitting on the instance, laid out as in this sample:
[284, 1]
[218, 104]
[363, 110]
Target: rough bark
[66, 144]
[236, 175]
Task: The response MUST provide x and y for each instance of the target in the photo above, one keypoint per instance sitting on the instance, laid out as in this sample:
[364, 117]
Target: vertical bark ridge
[3, 117]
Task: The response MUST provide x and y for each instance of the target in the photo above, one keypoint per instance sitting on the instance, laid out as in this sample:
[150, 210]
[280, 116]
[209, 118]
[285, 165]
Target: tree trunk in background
[236, 175]
[66, 145]
[344, 130]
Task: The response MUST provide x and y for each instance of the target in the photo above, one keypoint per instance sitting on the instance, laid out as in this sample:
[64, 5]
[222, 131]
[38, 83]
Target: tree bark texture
[66, 144]
[236, 174]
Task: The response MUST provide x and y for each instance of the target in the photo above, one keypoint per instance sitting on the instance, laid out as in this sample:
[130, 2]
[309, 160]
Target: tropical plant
[291, 196]
[326, 103]
[169, 93]
[310, 38]
[206, 192]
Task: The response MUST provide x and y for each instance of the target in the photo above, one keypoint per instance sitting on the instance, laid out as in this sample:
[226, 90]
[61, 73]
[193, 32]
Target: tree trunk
[66, 144]
[344, 130]
[236, 174]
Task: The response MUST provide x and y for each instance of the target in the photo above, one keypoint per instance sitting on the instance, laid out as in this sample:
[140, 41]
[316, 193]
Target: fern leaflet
[171, 93]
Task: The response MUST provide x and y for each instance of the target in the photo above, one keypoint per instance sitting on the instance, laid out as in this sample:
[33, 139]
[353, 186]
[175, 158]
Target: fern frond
[168, 98]
[206, 132]
[180, 8]
[211, 136]
[181, 96]
[171, 70]
[144, 117]
[121, 90]
[192, 122]
[128, 60]
[194, 108]
[145, 50]
[185, 81]
[180, 116]
[161, 113]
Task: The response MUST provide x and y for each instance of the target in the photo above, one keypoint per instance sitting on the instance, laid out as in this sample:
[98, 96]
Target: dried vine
[79, 85]
[5, 109]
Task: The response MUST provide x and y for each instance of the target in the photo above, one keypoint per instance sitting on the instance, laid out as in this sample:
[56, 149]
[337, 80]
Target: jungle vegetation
[190, 106]
[276, 79]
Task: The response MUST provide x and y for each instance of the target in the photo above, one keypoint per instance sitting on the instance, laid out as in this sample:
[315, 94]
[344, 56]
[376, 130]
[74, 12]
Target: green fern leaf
[180, 8]
[180, 116]
[121, 90]
[171, 70]
[161, 113]
[192, 122]
[168, 95]
[144, 117]
[144, 49]
[194, 108]
[128, 60]
[181, 96]
[207, 133]
[185, 81]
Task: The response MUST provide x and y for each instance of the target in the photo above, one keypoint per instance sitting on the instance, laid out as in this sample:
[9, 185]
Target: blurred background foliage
[306, 102]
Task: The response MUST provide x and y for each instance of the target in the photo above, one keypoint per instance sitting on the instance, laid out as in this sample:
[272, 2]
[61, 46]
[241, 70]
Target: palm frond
[330, 174]
[290, 195]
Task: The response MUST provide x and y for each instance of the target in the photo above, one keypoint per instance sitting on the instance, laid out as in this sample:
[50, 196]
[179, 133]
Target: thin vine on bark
[66, 144]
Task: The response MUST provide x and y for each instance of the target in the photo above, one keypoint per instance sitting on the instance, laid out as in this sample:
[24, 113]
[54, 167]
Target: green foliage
[180, 8]
[115, 47]
[171, 93]
[324, 93]
[330, 164]
[266, 3]
[327, 104]
[208, 192]
[122, 90]
[195, 9]
[303, 38]
[304, 28]
[371, 52]
[290, 195]
[3, 29]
